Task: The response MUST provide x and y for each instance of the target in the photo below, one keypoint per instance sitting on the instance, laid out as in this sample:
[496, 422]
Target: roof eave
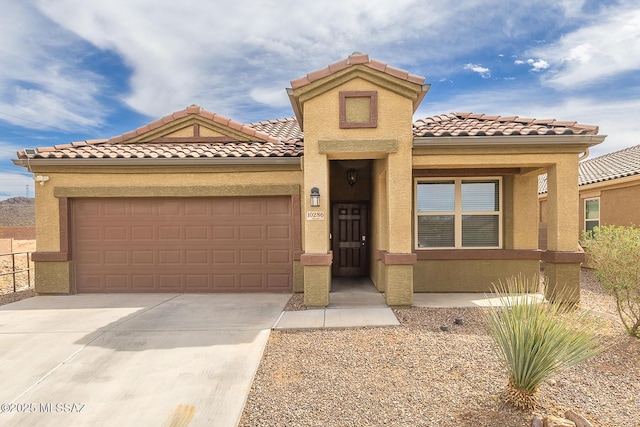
[583, 141]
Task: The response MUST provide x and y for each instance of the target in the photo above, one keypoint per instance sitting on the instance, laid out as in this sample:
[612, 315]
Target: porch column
[399, 258]
[317, 258]
[562, 258]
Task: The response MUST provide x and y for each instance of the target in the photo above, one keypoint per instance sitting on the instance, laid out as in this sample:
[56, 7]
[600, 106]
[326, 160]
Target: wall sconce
[352, 176]
[315, 197]
[41, 179]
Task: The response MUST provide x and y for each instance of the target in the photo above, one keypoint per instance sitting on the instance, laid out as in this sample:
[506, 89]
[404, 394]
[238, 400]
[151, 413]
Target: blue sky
[72, 70]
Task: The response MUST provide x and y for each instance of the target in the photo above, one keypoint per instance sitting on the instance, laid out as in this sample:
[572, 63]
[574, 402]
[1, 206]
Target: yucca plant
[535, 339]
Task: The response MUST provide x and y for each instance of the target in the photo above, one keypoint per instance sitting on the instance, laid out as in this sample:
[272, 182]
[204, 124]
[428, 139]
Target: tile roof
[356, 58]
[469, 124]
[618, 164]
[283, 137]
[276, 138]
[285, 129]
[611, 166]
[151, 150]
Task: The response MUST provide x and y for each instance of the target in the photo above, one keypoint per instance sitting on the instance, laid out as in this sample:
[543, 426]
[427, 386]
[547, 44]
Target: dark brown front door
[349, 239]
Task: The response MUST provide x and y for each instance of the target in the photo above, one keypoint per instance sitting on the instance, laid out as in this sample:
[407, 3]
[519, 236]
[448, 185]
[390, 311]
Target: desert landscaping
[417, 375]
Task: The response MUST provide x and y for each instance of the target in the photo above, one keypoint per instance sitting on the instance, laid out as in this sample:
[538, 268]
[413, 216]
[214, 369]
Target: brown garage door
[223, 244]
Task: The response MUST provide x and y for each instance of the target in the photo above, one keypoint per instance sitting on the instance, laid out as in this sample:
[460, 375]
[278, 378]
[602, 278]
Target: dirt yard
[18, 247]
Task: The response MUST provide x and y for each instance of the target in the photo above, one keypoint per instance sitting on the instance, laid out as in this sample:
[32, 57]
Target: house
[609, 191]
[195, 202]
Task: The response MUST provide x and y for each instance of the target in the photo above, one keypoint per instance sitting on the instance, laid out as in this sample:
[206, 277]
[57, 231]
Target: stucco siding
[468, 275]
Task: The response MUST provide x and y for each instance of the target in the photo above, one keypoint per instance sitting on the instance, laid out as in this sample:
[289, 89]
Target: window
[591, 214]
[458, 213]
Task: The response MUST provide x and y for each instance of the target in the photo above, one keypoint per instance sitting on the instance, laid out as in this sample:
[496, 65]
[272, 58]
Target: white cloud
[484, 72]
[203, 52]
[608, 46]
[538, 64]
[41, 83]
[616, 118]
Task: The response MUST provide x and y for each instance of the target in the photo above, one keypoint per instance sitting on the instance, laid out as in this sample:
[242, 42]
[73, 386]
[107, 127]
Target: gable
[189, 125]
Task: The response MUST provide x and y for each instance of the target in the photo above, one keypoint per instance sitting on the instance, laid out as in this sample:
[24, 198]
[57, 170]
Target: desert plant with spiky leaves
[535, 339]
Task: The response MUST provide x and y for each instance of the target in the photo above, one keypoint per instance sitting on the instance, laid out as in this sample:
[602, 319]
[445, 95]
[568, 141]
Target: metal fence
[16, 272]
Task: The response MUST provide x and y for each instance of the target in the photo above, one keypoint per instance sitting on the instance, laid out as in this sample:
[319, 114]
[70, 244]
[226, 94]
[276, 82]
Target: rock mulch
[416, 374]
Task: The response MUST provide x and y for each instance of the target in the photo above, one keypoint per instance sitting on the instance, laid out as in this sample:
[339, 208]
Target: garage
[169, 244]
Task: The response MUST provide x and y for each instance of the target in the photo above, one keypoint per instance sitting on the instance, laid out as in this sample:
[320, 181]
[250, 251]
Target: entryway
[349, 239]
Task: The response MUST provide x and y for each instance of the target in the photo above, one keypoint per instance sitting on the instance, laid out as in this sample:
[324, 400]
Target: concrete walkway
[355, 302]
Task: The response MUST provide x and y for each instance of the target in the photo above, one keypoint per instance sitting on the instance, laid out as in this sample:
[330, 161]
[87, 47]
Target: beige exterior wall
[389, 145]
[619, 202]
[468, 275]
[56, 277]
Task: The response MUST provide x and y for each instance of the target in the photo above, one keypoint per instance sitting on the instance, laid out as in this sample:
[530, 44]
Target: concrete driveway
[156, 360]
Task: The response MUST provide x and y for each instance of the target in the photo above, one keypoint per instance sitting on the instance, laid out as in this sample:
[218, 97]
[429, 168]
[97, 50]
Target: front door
[349, 239]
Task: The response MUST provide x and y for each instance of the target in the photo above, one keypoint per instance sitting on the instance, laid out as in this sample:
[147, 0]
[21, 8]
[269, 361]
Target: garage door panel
[142, 232]
[169, 232]
[224, 257]
[249, 232]
[226, 244]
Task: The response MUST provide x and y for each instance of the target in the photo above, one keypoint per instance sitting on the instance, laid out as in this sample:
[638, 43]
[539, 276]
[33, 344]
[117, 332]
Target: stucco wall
[468, 275]
[620, 206]
[55, 277]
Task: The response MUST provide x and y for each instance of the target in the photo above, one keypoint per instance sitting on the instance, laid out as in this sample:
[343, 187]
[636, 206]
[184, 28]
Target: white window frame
[584, 216]
[458, 213]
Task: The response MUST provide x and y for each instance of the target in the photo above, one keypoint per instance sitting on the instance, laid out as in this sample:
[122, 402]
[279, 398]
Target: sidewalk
[354, 302]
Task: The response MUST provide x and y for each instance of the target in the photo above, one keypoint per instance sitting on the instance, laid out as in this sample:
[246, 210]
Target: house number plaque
[315, 215]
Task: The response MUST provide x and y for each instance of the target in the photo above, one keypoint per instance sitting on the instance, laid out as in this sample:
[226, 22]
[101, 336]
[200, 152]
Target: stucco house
[609, 191]
[195, 202]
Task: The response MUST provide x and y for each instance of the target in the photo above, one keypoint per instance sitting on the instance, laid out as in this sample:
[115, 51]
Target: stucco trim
[373, 108]
[316, 259]
[187, 191]
[563, 257]
[475, 172]
[358, 146]
[478, 254]
[388, 258]
[296, 224]
[65, 245]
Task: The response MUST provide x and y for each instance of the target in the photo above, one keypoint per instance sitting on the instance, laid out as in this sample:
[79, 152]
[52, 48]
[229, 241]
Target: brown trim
[191, 139]
[563, 257]
[424, 173]
[373, 108]
[186, 191]
[296, 224]
[479, 254]
[398, 259]
[316, 259]
[65, 245]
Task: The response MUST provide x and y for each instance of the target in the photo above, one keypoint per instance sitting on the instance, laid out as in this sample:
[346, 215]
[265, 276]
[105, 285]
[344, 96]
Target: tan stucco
[390, 141]
[469, 275]
[56, 277]
[387, 156]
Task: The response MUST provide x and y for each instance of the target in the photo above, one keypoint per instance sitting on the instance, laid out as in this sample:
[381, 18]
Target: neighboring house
[195, 202]
[609, 189]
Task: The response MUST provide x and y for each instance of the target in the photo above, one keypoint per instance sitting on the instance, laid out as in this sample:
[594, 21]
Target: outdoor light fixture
[30, 153]
[352, 176]
[315, 197]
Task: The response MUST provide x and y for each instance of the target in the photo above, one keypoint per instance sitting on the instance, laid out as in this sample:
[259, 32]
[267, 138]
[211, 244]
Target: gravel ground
[417, 375]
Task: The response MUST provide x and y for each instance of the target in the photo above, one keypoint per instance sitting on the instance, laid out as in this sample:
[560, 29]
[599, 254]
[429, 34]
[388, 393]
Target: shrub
[614, 252]
[535, 339]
